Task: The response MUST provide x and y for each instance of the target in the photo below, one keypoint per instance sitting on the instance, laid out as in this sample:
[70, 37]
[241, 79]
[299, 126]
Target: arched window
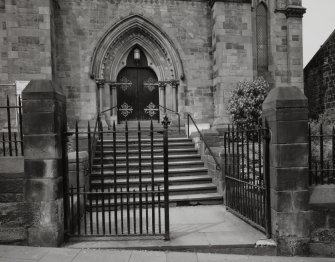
[262, 37]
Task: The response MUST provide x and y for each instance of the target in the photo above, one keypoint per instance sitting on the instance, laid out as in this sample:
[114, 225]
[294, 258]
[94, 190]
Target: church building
[136, 59]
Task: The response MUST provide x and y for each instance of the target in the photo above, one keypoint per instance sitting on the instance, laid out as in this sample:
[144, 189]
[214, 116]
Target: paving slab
[57, 254]
[147, 256]
[194, 226]
[183, 257]
[102, 256]
[37, 254]
[27, 253]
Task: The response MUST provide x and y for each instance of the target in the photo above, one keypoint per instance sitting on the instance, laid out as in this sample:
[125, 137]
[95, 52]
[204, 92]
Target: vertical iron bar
[77, 176]
[121, 206]
[115, 178]
[321, 154]
[239, 184]
[15, 144]
[159, 210]
[310, 154]
[89, 148]
[266, 142]
[85, 221]
[179, 123]
[242, 174]
[72, 210]
[146, 210]
[127, 170]
[109, 211]
[102, 180]
[254, 209]
[166, 182]
[9, 128]
[103, 212]
[21, 126]
[140, 176]
[134, 210]
[152, 177]
[97, 210]
[225, 167]
[91, 212]
[233, 168]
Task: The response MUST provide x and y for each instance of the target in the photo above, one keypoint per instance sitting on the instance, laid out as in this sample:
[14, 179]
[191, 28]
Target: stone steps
[189, 182]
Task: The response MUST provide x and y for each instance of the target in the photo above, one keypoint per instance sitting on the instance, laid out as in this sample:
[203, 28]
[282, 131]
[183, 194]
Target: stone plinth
[285, 114]
[44, 124]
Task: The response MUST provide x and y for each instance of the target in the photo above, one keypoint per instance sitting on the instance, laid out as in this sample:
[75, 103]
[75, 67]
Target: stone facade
[207, 45]
[319, 78]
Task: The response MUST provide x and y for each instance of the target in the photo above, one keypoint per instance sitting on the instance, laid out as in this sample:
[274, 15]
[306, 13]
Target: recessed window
[262, 37]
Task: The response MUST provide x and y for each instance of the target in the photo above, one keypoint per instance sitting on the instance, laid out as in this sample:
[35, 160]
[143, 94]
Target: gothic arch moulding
[113, 47]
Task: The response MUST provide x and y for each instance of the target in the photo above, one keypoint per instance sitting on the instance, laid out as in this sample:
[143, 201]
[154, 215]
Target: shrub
[245, 105]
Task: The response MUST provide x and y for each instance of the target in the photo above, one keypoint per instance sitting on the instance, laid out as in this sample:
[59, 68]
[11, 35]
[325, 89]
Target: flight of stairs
[189, 181]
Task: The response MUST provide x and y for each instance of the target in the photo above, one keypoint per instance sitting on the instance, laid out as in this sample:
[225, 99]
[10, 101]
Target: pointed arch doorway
[137, 94]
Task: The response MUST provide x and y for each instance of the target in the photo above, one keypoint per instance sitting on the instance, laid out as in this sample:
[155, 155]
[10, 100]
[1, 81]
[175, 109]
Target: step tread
[193, 162]
[149, 157]
[157, 180]
[148, 150]
[172, 170]
[147, 139]
[186, 187]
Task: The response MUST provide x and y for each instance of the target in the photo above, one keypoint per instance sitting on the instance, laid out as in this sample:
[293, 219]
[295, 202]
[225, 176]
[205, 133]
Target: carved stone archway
[112, 49]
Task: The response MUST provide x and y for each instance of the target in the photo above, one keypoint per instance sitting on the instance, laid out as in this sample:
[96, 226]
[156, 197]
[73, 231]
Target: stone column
[44, 122]
[174, 85]
[162, 97]
[100, 85]
[285, 113]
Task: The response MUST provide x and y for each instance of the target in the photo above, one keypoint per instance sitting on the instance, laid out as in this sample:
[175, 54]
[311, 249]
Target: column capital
[174, 83]
[100, 82]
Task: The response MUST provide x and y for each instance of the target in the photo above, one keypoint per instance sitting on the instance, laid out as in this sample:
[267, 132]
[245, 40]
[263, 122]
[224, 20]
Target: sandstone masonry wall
[319, 78]
[25, 41]
[79, 24]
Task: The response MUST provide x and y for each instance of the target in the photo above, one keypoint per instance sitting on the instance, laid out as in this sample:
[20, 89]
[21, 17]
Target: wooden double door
[137, 94]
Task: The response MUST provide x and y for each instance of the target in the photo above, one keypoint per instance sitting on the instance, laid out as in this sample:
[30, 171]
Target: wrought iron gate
[246, 167]
[118, 196]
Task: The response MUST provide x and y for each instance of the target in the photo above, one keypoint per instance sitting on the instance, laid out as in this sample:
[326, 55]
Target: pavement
[194, 226]
[34, 254]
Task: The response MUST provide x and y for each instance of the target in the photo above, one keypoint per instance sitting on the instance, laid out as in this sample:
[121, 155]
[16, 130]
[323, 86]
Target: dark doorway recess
[137, 101]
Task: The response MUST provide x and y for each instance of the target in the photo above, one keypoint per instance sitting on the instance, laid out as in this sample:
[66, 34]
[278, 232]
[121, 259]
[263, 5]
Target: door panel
[137, 101]
[149, 95]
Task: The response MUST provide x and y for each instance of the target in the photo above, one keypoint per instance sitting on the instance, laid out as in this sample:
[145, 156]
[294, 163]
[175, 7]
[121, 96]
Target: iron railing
[321, 157]
[11, 139]
[218, 166]
[119, 200]
[246, 168]
[173, 111]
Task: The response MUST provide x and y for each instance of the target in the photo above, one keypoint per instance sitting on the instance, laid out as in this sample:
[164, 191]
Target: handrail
[94, 142]
[218, 166]
[173, 111]
[109, 109]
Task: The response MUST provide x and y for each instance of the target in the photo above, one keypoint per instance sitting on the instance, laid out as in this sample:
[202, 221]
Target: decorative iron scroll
[126, 109]
[150, 84]
[125, 83]
[151, 110]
